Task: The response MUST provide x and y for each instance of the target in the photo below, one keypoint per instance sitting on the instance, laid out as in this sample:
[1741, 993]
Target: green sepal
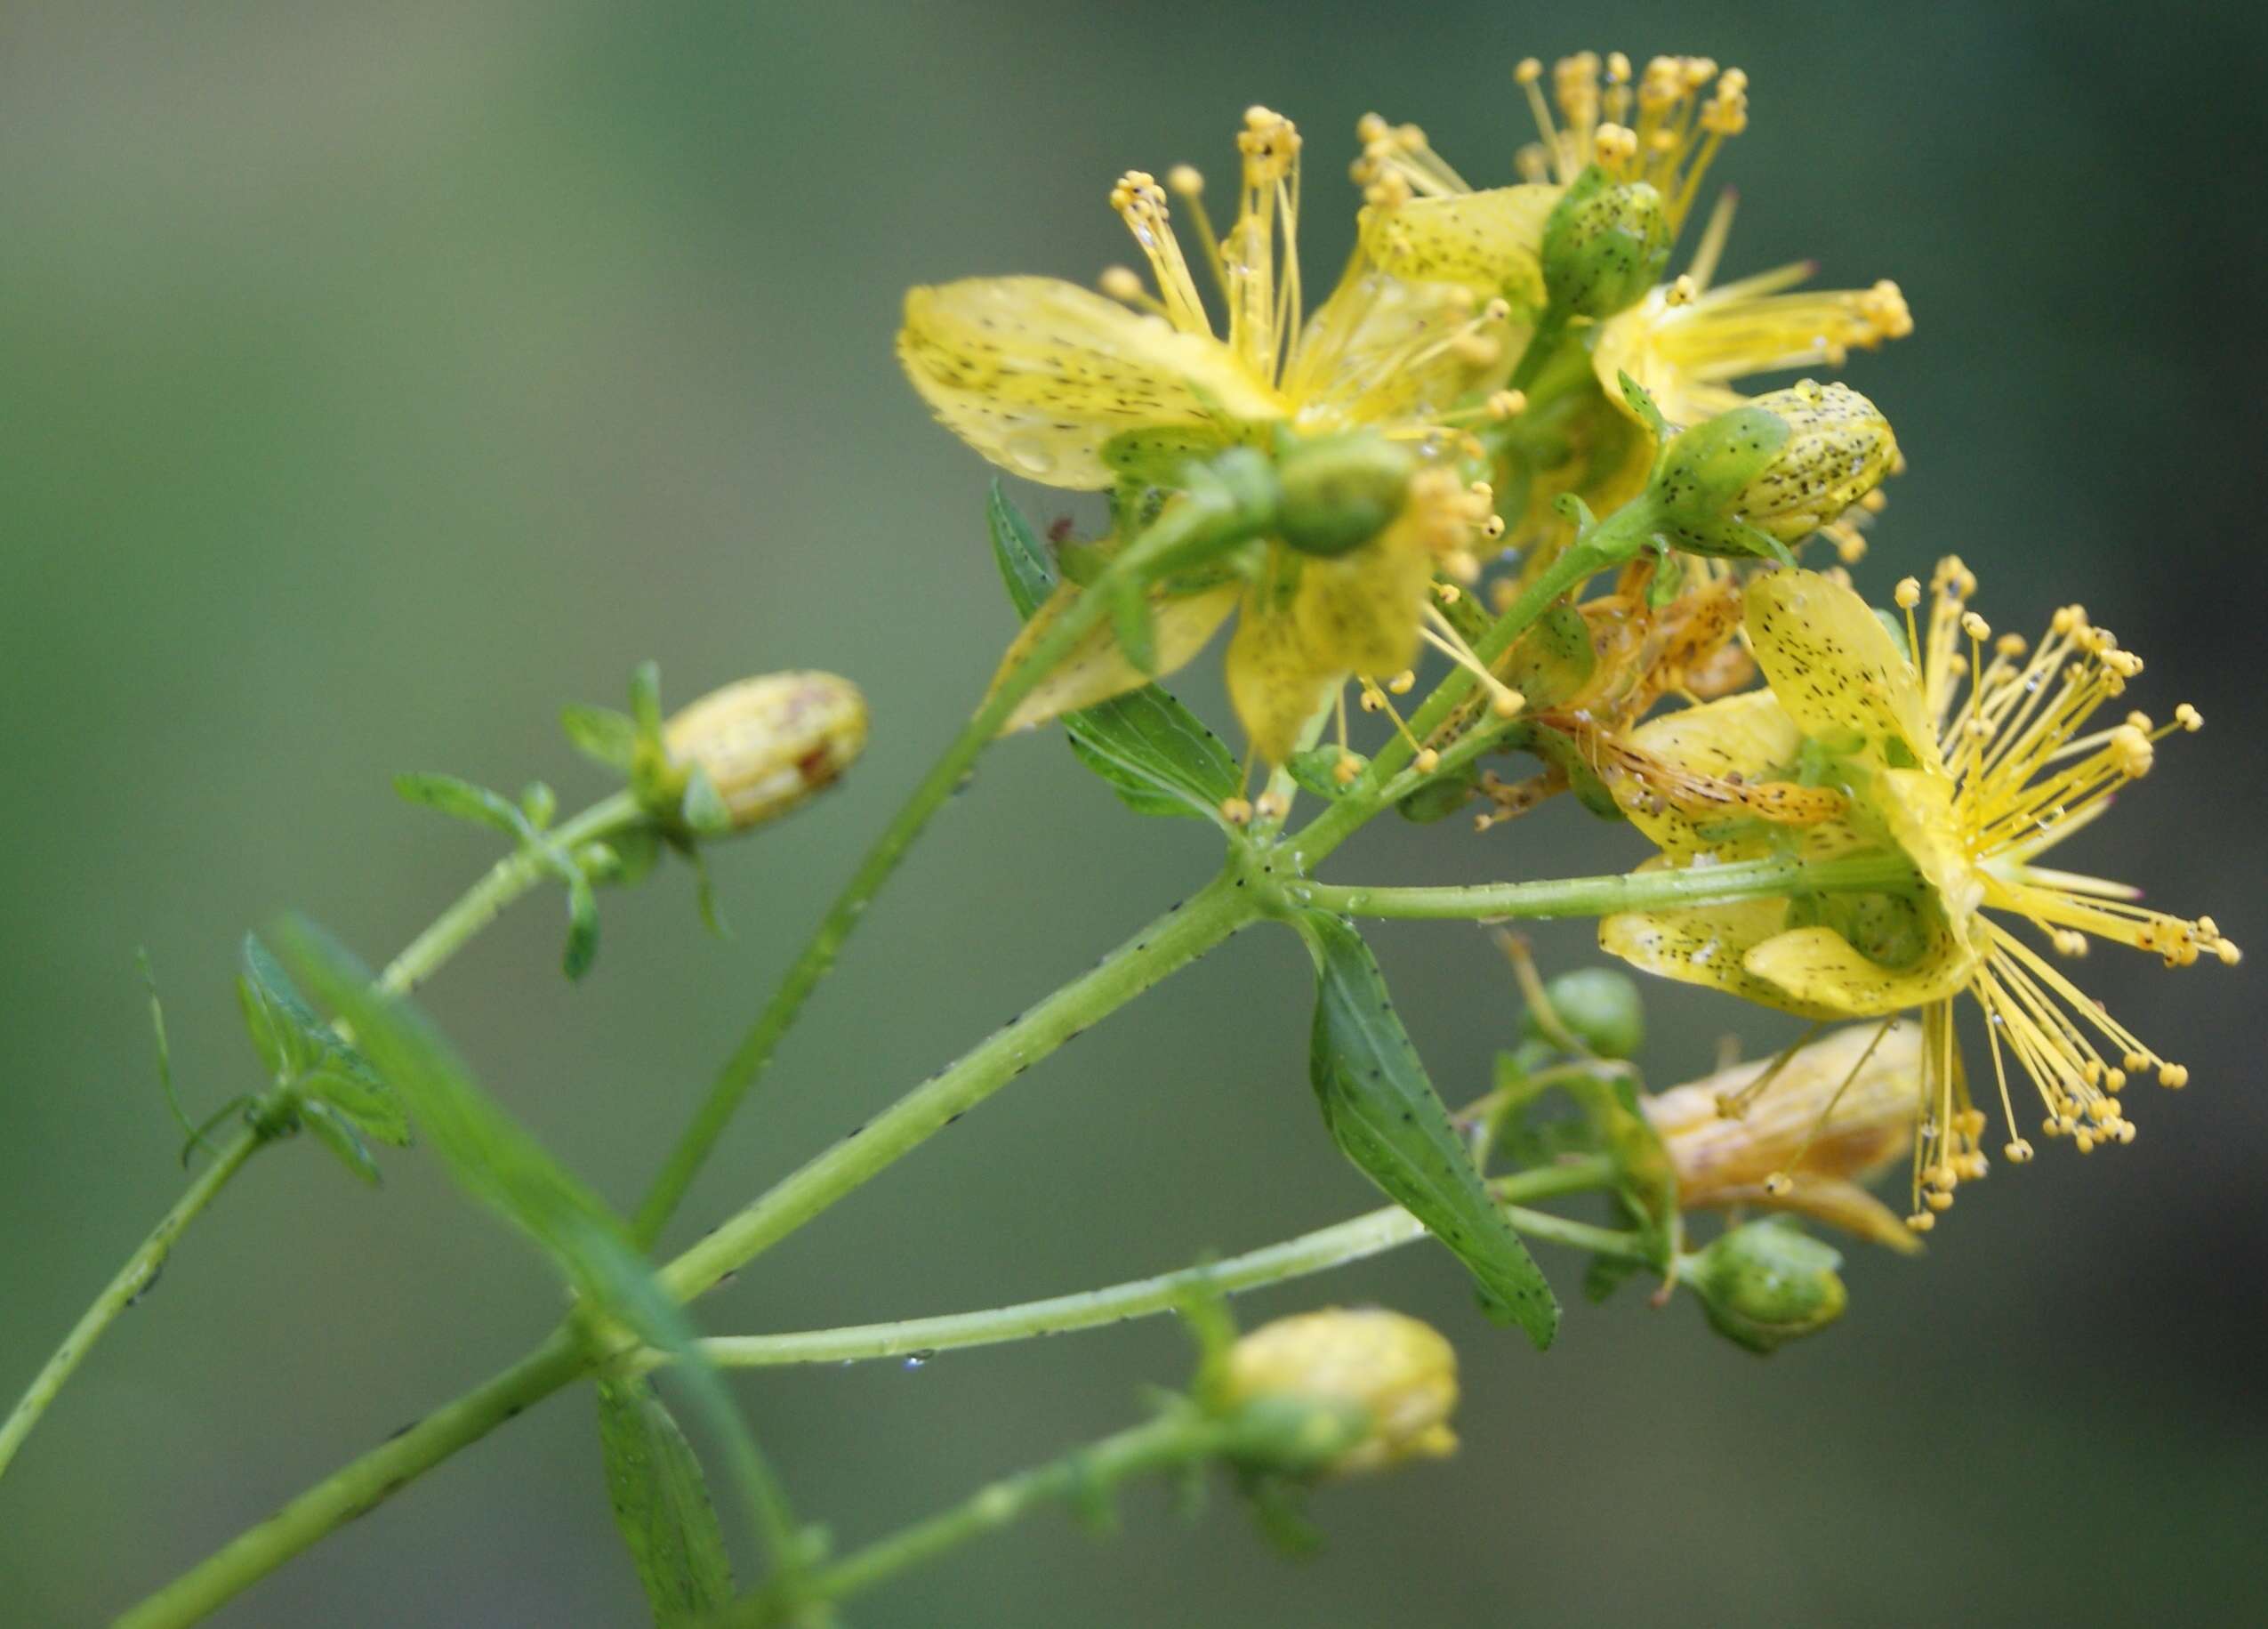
[1157, 755]
[1383, 1112]
[333, 1131]
[1134, 628]
[703, 807]
[1315, 770]
[1441, 796]
[1642, 403]
[1553, 660]
[460, 799]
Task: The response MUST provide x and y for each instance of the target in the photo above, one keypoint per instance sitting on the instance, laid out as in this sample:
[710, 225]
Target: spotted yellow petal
[1705, 944]
[1492, 242]
[1819, 968]
[1832, 664]
[1359, 613]
[1370, 353]
[1917, 807]
[1096, 669]
[1275, 682]
[1037, 373]
[1748, 735]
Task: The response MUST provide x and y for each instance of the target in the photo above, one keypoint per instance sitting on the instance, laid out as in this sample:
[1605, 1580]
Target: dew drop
[919, 1360]
[1030, 454]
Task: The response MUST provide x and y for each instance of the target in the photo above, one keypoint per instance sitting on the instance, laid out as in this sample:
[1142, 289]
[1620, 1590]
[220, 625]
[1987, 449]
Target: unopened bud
[1340, 492]
[1604, 246]
[769, 744]
[1599, 1007]
[1766, 1284]
[1785, 463]
[1396, 1374]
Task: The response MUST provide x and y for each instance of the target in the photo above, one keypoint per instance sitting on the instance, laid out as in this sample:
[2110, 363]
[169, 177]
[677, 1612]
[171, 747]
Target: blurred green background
[376, 378]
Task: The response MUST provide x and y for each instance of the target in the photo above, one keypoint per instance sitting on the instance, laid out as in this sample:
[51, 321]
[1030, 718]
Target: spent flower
[1399, 1371]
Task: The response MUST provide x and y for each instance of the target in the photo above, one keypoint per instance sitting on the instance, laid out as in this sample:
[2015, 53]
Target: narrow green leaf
[583, 924]
[500, 1164]
[461, 800]
[539, 803]
[646, 700]
[333, 1131]
[164, 1048]
[261, 1023]
[326, 1067]
[348, 1083]
[661, 1502]
[1386, 1116]
[1156, 755]
[602, 735]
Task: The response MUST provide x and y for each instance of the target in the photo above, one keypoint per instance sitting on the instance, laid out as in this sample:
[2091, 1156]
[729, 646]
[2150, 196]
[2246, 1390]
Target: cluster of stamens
[1664, 129]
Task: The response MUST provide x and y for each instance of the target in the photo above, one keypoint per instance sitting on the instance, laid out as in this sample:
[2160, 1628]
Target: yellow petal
[1037, 373]
[1097, 670]
[1492, 242]
[1917, 807]
[1274, 682]
[1359, 613]
[1820, 969]
[1749, 735]
[1706, 944]
[1363, 356]
[1832, 664]
[1838, 1203]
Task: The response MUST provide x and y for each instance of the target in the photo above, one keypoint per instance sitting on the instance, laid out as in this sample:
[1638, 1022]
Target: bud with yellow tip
[766, 745]
[1604, 246]
[1782, 465]
[1399, 1374]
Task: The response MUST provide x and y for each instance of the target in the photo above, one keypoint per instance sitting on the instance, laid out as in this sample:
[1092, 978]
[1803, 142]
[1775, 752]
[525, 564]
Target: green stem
[1211, 514]
[474, 909]
[1601, 896]
[359, 1487]
[1171, 942]
[141, 1266]
[1166, 1443]
[1354, 1240]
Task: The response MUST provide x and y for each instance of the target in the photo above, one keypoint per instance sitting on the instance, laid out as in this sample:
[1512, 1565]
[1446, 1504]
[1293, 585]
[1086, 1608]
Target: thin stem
[1213, 514]
[1171, 1440]
[478, 906]
[1353, 1240]
[1171, 942]
[359, 1487]
[141, 1266]
[1601, 896]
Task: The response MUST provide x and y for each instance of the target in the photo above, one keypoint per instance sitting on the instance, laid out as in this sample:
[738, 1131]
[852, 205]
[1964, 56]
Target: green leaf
[1156, 755]
[461, 800]
[260, 1022]
[333, 1131]
[1383, 1112]
[1314, 771]
[346, 1081]
[506, 1169]
[583, 922]
[165, 1049]
[646, 700]
[322, 1064]
[539, 803]
[602, 735]
[661, 1502]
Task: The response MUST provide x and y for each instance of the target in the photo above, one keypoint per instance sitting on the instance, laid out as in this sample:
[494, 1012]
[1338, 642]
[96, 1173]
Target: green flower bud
[769, 744]
[1604, 246]
[1783, 465]
[1396, 1374]
[1599, 1006]
[1766, 1284]
[1340, 492]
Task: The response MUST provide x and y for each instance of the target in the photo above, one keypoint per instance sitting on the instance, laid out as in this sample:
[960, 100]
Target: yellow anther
[1348, 767]
[1907, 593]
[1236, 811]
[1403, 682]
[1778, 1184]
[2017, 1153]
[2172, 1076]
[1186, 181]
[1921, 1221]
[1271, 806]
[1122, 283]
[1683, 292]
[2188, 718]
[1508, 703]
[1975, 626]
[1507, 404]
[1528, 72]
[1938, 1200]
[1427, 761]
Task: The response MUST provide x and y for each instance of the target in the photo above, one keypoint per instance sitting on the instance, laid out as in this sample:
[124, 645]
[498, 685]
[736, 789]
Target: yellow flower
[1068, 387]
[1972, 764]
[1690, 341]
[1799, 1133]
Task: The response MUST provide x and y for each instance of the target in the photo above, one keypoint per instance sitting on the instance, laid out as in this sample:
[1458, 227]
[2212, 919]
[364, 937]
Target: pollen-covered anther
[1921, 1221]
[1122, 283]
[1403, 682]
[1683, 292]
[1186, 181]
[1345, 769]
[1236, 811]
[1507, 404]
[1427, 761]
[2017, 1152]
[1271, 806]
[1907, 593]
[2132, 751]
[2188, 718]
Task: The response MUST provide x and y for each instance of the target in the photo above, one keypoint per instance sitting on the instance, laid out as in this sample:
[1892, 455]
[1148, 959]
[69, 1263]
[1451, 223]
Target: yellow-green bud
[1599, 1007]
[1605, 245]
[1399, 1373]
[1766, 1284]
[1785, 463]
[1340, 492]
[769, 744]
